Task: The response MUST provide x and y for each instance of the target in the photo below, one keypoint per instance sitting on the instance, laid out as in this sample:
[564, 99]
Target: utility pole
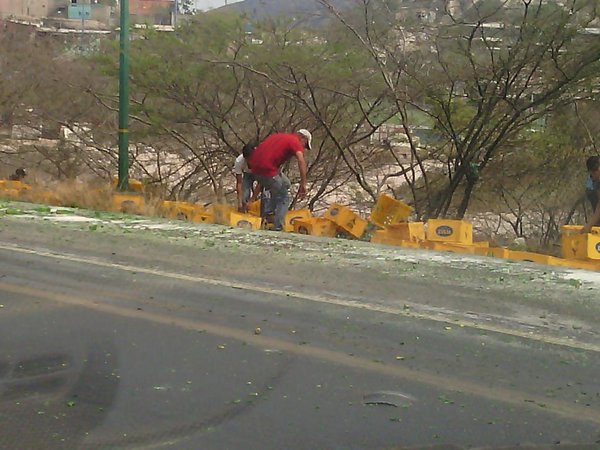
[123, 184]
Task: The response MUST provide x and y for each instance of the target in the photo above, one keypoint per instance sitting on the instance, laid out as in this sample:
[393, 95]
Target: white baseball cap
[308, 137]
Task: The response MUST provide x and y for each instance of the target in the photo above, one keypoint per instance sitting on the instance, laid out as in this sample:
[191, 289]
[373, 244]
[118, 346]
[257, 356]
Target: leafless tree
[481, 77]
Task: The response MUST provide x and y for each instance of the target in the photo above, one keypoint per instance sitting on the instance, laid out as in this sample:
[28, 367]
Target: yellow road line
[362, 305]
[444, 383]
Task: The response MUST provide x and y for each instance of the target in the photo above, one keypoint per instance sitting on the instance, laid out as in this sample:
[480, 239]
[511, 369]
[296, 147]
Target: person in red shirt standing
[266, 161]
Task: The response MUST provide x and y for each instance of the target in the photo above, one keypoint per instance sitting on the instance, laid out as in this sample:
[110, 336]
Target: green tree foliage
[433, 107]
[213, 86]
[45, 86]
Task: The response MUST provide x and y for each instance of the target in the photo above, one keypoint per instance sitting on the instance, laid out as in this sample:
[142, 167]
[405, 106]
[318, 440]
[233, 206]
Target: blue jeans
[279, 188]
[248, 180]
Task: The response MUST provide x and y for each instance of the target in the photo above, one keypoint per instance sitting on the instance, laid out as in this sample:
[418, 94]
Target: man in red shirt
[266, 161]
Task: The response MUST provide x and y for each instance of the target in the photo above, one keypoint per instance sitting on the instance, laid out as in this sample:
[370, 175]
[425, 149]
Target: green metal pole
[123, 184]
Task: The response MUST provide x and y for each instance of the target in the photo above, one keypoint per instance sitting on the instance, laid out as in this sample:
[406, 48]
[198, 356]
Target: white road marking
[363, 305]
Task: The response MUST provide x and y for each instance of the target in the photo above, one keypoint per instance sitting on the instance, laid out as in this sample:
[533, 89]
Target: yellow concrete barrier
[469, 249]
[498, 252]
[579, 264]
[581, 246]
[533, 257]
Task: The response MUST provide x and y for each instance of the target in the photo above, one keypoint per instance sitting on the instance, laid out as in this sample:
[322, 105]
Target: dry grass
[99, 196]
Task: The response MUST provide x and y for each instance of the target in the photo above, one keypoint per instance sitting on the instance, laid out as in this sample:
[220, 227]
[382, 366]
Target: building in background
[86, 14]
[204, 5]
[154, 12]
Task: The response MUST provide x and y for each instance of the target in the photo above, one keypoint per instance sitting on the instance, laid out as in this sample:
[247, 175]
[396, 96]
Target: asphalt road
[125, 338]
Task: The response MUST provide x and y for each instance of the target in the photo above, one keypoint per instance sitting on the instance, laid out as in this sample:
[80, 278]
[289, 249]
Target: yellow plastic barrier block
[134, 185]
[315, 226]
[581, 246]
[128, 203]
[408, 231]
[254, 208]
[388, 211]
[570, 229]
[293, 215]
[445, 230]
[203, 218]
[221, 213]
[246, 221]
[347, 220]
[184, 211]
[575, 229]
[174, 210]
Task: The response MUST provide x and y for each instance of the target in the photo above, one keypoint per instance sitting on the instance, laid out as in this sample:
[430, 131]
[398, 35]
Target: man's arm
[594, 220]
[303, 170]
[255, 192]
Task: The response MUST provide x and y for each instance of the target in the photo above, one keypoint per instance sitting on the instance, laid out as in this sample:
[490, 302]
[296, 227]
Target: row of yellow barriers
[389, 216]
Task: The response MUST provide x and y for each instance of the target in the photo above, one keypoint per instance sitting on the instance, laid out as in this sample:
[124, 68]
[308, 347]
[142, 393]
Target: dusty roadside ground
[544, 303]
